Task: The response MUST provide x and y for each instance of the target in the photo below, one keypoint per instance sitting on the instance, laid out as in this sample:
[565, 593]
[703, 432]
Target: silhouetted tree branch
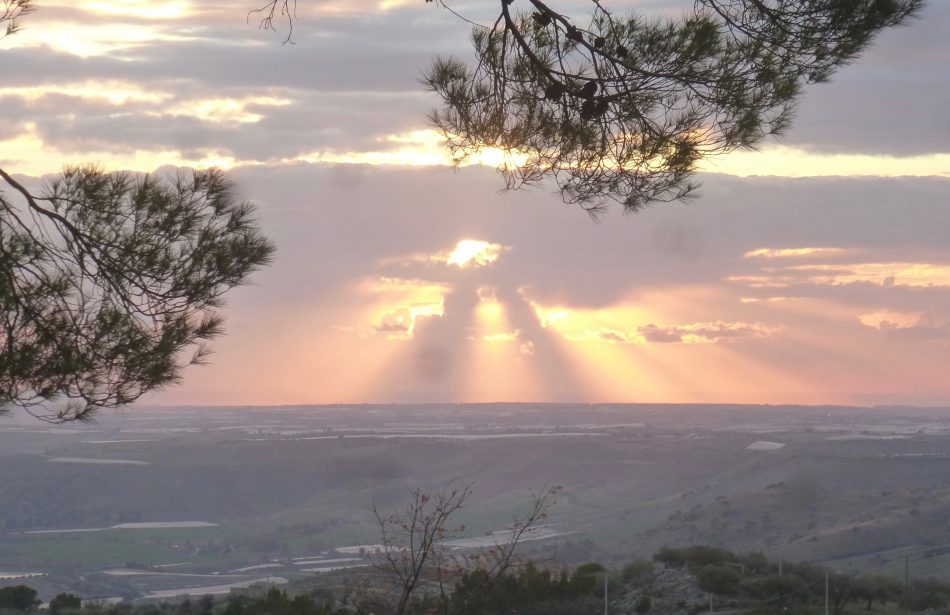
[106, 279]
[273, 9]
[10, 11]
[412, 542]
[622, 108]
[411, 537]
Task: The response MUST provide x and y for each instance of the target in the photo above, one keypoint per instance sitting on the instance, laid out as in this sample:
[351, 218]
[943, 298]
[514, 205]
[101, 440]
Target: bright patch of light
[883, 274]
[474, 253]
[626, 323]
[29, 154]
[226, 110]
[551, 318]
[776, 299]
[783, 161]
[142, 9]
[890, 319]
[496, 157]
[214, 160]
[409, 157]
[417, 148]
[427, 148]
[490, 311]
[402, 302]
[114, 92]
[792, 252]
[90, 40]
[503, 337]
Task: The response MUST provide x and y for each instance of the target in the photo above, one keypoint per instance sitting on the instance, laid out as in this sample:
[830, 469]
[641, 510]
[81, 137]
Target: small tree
[875, 588]
[778, 590]
[841, 590]
[18, 598]
[638, 572]
[925, 594]
[587, 578]
[64, 603]
[411, 538]
[719, 579]
[412, 544]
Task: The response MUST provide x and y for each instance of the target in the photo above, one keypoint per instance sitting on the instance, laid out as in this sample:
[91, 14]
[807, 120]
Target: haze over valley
[163, 501]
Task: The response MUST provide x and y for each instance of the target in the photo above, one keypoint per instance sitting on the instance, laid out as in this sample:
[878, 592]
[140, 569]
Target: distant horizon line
[545, 403]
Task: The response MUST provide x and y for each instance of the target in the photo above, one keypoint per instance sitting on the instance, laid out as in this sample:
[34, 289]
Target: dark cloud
[704, 332]
[653, 333]
[612, 336]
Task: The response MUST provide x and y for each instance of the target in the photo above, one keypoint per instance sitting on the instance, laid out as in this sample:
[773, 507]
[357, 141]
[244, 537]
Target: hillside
[858, 488]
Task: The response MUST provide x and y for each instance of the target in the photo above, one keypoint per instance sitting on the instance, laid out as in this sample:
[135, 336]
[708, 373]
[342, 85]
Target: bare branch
[10, 11]
[286, 9]
[412, 537]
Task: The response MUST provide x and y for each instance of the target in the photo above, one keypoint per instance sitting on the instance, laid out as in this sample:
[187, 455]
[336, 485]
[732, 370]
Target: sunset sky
[815, 270]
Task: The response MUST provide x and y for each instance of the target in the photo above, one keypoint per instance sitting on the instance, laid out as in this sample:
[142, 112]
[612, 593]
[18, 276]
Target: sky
[813, 270]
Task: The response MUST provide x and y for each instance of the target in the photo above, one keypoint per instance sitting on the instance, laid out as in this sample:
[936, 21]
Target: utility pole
[710, 603]
[605, 592]
[826, 592]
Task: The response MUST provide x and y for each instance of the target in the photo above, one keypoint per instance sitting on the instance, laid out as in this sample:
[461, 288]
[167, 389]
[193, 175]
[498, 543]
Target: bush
[18, 598]
[719, 579]
[674, 558]
[701, 555]
[64, 603]
[926, 594]
[587, 579]
[638, 572]
[694, 557]
[778, 590]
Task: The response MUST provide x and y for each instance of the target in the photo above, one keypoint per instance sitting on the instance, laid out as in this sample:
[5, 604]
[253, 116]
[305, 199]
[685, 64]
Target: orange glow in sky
[809, 269]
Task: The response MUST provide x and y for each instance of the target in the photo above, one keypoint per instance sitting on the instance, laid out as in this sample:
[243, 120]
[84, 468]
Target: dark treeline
[752, 581]
[739, 582]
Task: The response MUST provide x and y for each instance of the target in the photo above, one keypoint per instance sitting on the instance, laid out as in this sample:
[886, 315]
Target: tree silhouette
[106, 280]
[412, 548]
[622, 108]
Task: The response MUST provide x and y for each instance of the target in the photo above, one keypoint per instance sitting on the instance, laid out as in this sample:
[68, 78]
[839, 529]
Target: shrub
[719, 579]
